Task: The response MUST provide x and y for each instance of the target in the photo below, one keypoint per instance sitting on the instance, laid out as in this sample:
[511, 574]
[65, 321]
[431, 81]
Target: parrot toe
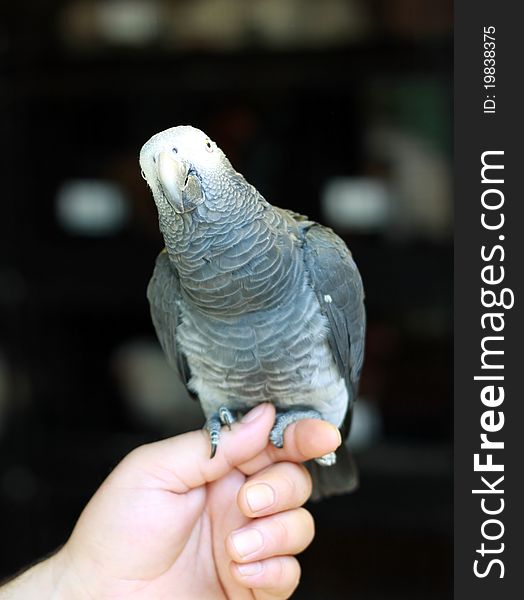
[226, 416]
[284, 419]
[328, 460]
[213, 425]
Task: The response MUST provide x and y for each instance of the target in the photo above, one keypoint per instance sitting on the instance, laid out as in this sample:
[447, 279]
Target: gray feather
[163, 293]
[338, 287]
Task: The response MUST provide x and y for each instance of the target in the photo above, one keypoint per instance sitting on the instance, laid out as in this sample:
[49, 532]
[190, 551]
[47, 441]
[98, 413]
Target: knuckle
[293, 531]
[289, 487]
[305, 483]
[296, 574]
[295, 484]
[280, 570]
[289, 575]
[307, 478]
[281, 532]
[309, 525]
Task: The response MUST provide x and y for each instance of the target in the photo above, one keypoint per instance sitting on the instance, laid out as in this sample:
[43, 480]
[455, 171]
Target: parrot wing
[163, 293]
[338, 286]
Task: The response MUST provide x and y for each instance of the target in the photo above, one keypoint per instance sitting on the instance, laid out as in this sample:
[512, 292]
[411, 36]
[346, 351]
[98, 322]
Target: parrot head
[183, 168]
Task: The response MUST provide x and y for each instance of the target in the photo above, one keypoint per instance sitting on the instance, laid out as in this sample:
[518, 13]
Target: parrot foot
[213, 425]
[284, 419]
[328, 460]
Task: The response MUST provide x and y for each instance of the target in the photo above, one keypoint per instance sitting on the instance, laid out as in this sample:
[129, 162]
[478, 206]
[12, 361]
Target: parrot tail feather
[341, 478]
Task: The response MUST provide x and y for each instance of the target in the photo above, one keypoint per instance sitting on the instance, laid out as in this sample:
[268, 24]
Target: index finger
[303, 440]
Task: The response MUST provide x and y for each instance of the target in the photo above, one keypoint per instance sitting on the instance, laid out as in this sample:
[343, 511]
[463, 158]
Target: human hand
[169, 522]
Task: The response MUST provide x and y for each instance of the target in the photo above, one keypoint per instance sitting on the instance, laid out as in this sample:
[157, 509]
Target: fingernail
[247, 541]
[253, 568]
[254, 413]
[260, 496]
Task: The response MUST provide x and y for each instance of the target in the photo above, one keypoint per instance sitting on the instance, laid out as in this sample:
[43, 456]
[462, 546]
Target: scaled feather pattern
[252, 303]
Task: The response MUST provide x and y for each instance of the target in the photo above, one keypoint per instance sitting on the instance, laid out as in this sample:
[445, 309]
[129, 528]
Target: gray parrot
[252, 303]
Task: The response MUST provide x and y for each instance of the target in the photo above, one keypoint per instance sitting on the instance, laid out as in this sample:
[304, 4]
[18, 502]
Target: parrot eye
[209, 146]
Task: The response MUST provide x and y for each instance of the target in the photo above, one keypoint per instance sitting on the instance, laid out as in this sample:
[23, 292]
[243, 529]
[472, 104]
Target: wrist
[65, 583]
[50, 579]
[38, 581]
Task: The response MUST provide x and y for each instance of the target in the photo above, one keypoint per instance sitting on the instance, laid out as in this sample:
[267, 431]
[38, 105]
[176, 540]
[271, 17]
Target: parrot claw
[226, 417]
[213, 449]
[223, 417]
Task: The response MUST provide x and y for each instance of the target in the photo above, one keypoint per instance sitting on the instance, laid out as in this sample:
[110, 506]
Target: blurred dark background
[339, 109]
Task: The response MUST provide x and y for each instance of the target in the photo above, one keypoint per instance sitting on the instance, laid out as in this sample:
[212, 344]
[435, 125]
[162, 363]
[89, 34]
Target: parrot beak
[173, 176]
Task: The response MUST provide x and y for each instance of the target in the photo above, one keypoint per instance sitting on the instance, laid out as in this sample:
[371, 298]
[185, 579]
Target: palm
[160, 544]
[200, 564]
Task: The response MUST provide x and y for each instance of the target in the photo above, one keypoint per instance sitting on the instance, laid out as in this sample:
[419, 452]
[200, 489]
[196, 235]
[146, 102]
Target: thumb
[182, 463]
